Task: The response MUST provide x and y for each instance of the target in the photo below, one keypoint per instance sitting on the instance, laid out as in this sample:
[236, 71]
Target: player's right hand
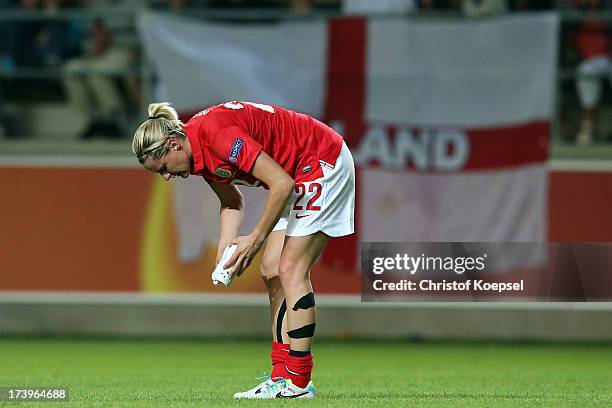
[248, 247]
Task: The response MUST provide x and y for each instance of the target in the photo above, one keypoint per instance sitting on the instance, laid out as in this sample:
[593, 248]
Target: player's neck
[186, 145]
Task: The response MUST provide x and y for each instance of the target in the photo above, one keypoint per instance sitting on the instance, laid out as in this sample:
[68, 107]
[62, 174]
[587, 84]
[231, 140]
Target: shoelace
[276, 381]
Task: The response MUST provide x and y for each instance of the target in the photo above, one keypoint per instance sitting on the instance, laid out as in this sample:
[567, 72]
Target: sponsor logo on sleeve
[235, 151]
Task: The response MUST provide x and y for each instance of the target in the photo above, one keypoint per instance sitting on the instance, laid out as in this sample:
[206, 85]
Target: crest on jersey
[235, 150]
[306, 168]
[222, 173]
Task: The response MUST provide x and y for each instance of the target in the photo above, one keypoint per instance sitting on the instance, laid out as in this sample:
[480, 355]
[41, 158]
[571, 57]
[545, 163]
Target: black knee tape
[305, 302]
[302, 332]
[279, 321]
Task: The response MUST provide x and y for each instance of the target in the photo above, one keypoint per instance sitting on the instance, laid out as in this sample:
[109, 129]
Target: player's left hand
[248, 247]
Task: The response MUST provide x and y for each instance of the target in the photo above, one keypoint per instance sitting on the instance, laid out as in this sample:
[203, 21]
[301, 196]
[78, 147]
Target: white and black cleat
[281, 388]
[293, 391]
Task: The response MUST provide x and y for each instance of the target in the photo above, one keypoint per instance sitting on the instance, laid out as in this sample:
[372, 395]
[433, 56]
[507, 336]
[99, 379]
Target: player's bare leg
[280, 341]
[269, 273]
[299, 253]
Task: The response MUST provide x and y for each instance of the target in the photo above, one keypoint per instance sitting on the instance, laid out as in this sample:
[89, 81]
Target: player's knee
[268, 268]
[290, 275]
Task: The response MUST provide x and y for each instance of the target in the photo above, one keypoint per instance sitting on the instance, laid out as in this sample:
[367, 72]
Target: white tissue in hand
[221, 275]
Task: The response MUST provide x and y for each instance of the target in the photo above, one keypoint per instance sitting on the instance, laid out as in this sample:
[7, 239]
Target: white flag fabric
[203, 64]
[475, 74]
[448, 121]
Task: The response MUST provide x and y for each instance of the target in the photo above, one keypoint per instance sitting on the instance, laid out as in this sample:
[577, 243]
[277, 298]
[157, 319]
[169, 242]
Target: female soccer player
[309, 172]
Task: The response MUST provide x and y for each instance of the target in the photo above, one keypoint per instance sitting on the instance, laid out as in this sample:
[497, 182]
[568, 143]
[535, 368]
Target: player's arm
[231, 213]
[281, 185]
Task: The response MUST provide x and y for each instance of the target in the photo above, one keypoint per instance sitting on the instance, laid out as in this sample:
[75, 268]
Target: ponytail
[151, 136]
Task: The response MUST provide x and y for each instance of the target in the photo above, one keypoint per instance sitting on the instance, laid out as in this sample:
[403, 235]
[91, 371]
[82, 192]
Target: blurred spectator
[7, 61]
[298, 7]
[91, 83]
[44, 42]
[531, 5]
[593, 45]
[7, 39]
[580, 4]
[243, 4]
[305, 7]
[478, 8]
[301, 7]
[380, 6]
[439, 5]
[172, 5]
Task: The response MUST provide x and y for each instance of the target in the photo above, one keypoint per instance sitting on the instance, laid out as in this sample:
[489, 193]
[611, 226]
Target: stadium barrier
[339, 317]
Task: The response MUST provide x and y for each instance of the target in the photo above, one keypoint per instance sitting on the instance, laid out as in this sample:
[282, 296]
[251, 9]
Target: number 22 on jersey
[301, 189]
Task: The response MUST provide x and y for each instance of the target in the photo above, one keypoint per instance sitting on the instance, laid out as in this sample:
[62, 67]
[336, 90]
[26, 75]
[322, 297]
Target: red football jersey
[226, 140]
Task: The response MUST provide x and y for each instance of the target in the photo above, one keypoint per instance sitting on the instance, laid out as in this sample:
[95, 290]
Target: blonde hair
[151, 136]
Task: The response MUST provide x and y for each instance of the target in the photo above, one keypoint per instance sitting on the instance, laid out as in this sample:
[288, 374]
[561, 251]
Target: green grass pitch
[192, 373]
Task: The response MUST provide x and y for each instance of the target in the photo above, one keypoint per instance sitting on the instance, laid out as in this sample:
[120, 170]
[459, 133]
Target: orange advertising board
[107, 229]
[113, 229]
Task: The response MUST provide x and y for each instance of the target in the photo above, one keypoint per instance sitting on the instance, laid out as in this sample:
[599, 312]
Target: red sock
[298, 369]
[279, 354]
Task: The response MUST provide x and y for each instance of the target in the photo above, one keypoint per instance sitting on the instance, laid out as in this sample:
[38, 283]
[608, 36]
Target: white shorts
[325, 204]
